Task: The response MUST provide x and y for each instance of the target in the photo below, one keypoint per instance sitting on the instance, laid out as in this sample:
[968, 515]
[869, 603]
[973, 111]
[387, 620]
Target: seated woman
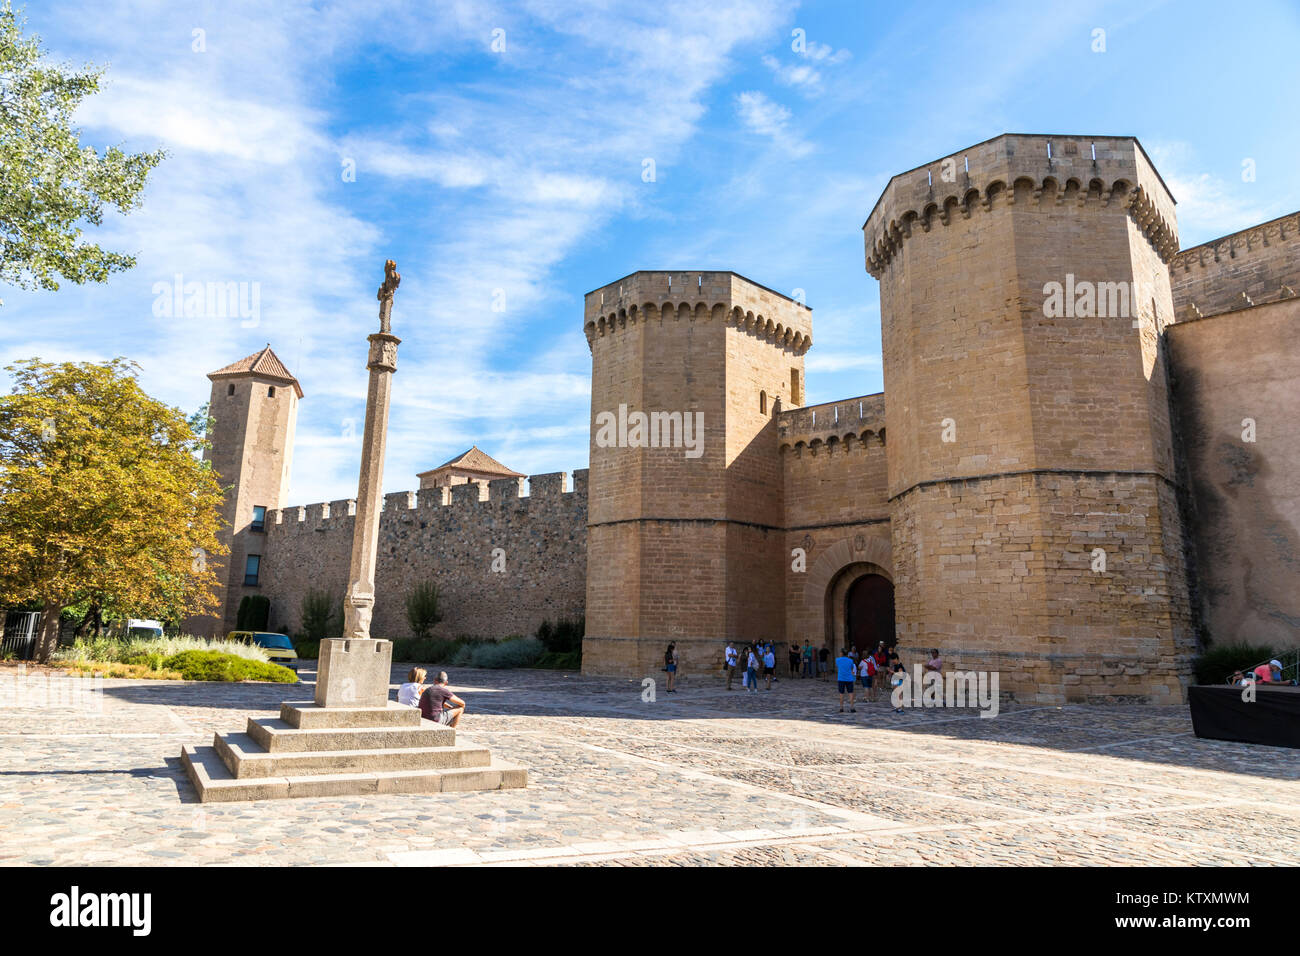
[409, 693]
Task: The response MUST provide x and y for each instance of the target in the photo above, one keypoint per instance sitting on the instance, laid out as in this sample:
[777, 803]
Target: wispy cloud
[771, 120]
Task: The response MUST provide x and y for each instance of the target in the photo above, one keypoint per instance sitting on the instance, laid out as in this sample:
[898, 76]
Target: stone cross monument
[354, 671]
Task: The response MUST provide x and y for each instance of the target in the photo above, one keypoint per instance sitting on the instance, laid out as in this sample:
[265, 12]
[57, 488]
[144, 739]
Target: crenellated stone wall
[1252, 267]
[447, 536]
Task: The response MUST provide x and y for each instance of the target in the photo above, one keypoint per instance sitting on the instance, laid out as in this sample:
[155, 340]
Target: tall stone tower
[254, 410]
[1024, 290]
[684, 495]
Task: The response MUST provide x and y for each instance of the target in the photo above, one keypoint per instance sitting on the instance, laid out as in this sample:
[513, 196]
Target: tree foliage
[50, 184]
[103, 497]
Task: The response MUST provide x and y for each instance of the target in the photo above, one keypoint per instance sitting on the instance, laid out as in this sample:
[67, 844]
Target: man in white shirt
[730, 665]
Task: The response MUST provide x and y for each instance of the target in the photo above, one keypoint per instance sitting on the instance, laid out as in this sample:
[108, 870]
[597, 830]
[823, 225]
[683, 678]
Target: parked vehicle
[149, 630]
[278, 647]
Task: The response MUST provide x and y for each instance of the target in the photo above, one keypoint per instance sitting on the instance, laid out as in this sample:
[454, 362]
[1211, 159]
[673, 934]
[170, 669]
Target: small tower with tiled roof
[254, 410]
[474, 465]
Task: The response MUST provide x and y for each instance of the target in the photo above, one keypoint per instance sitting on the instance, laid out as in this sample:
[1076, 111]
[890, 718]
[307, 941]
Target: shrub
[214, 665]
[307, 650]
[431, 650]
[422, 609]
[1218, 663]
[511, 652]
[319, 617]
[564, 636]
[570, 661]
[254, 612]
[105, 650]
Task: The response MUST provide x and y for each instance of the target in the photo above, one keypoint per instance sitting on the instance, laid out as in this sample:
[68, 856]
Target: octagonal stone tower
[1024, 288]
[684, 541]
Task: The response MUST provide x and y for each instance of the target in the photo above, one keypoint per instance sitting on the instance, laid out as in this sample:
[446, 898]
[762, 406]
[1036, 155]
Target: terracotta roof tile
[476, 460]
[265, 363]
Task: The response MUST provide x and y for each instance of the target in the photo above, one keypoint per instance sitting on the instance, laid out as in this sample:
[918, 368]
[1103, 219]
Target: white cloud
[771, 120]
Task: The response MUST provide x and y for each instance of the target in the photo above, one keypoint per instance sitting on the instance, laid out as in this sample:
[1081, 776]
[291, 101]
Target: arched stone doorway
[859, 607]
[829, 579]
[869, 612]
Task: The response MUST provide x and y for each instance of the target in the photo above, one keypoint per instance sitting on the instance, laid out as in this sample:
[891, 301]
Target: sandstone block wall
[1243, 495]
[251, 452]
[1022, 438]
[450, 540]
[1251, 267]
[687, 547]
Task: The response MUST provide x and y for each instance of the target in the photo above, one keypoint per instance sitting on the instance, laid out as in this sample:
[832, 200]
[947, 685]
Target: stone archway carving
[829, 563]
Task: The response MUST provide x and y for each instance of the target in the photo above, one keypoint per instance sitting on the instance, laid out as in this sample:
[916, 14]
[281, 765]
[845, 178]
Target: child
[900, 675]
[409, 693]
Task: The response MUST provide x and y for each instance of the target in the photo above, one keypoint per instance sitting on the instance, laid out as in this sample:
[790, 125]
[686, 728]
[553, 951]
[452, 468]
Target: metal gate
[19, 634]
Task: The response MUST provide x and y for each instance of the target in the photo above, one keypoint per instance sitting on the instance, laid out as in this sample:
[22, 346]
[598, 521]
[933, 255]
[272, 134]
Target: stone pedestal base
[353, 673]
[311, 751]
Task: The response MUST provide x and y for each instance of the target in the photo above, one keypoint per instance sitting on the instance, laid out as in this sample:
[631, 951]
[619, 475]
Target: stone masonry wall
[1243, 477]
[1251, 267]
[450, 541]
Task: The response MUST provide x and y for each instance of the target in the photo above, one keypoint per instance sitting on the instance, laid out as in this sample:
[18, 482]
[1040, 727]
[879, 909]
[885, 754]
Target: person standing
[823, 662]
[730, 663]
[794, 659]
[670, 665]
[866, 675]
[769, 664]
[807, 659]
[751, 669]
[882, 661]
[896, 680]
[845, 674]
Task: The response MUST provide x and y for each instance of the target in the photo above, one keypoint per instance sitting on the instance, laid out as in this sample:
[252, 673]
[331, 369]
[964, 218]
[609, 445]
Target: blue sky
[506, 183]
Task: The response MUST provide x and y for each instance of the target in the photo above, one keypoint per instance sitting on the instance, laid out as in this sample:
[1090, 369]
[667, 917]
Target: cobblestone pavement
[700, 776]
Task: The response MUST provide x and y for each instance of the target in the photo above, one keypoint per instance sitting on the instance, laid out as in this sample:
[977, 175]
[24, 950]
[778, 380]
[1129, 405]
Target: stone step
[307, 715]
[215, 783]
[245, 759]
[279, 736]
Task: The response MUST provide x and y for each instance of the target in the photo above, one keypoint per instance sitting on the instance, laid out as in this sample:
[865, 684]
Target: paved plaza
[702, 776]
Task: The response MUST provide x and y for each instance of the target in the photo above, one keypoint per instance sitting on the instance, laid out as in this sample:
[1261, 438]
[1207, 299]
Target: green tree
[321, 616]
[103, 497]
[50, 184]
[422, 611]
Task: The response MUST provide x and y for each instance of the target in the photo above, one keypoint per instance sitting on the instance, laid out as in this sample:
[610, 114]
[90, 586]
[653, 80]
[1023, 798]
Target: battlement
[843, 423]
[1251, 267]
[1052, 171]
[723, 297]
[548, 487]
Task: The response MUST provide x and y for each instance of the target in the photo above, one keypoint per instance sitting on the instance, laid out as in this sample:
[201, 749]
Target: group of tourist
[870, 671]
[1270, 673]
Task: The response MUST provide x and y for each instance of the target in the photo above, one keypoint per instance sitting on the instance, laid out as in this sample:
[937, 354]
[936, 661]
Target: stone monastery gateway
[1084, 462]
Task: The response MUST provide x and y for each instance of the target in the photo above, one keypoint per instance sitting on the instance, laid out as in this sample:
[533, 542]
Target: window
[270, 391]
[796, 393]
[230, 389]
[259, 519]
[762, 402]
[252, 564]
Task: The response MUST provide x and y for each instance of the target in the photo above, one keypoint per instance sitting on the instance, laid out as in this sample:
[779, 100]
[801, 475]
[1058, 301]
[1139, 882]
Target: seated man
[440, 704]
[1270, 673]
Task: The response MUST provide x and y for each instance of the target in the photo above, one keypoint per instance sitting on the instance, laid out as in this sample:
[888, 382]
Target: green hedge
[1218, 663]
[214, 665]
[570, 661]
[512, 652]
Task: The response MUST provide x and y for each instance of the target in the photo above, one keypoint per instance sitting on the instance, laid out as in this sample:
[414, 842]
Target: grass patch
[114, 669]
[107, 650]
